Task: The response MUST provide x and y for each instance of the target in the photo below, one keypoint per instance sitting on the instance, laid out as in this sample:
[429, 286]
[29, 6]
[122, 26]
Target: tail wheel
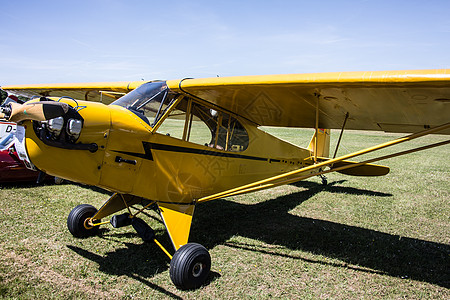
[77, 221]
[190, 266]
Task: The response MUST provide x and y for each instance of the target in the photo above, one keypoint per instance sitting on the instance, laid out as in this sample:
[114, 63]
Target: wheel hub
[197, 269]
[87, 223]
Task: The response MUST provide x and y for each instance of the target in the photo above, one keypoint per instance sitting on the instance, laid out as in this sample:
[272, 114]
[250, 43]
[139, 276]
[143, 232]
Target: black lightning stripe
[146, 155]
[148, 147]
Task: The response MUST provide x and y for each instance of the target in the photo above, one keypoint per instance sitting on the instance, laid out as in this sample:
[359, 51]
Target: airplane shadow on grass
[137, 261]
[270, 221]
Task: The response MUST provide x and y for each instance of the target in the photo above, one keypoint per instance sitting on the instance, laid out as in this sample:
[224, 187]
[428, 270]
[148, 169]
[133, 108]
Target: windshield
[6, 141]
[149, 101]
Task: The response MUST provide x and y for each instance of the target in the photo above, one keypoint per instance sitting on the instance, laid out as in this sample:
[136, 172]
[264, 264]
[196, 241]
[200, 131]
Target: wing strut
[316, 140]
[337, 169]
[284, 178]
[340, 135]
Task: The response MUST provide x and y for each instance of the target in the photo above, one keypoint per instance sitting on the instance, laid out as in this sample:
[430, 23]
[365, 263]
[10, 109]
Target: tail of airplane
[323, 152]
[323, 143]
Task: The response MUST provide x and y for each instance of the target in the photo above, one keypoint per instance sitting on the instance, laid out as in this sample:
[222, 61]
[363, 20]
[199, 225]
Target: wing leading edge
[105, 92]
[393, 101]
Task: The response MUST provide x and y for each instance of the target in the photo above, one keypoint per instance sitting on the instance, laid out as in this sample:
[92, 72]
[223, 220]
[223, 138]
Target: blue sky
[101, 40]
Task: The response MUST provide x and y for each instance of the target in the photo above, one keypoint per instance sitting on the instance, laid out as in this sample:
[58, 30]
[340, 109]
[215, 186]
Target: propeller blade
[37, 111]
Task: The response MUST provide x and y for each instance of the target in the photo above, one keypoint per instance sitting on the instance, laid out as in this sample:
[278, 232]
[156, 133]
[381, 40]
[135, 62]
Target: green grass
[356, 238]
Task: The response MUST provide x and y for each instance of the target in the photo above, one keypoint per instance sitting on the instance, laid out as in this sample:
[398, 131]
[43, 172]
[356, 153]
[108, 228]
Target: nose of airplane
[66, 139]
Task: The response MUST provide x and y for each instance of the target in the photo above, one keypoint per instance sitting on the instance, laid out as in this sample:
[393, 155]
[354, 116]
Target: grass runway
[355, 238]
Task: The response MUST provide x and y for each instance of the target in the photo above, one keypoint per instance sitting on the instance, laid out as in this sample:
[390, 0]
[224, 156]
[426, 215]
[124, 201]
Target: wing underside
[393, 101]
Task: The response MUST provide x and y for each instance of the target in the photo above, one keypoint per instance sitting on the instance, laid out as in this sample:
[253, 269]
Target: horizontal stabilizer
[361, 170]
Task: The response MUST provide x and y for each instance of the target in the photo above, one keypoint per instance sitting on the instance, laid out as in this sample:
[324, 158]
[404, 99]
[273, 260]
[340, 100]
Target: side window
[174, 123]
[225, 131]
[238, 138]
[197, 123]
[197, 130]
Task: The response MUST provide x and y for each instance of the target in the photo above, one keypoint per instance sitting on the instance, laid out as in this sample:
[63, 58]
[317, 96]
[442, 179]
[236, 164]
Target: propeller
[36, 111]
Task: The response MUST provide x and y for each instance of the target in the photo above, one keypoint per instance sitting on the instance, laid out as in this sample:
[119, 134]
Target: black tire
[76, 221]
[190, 266]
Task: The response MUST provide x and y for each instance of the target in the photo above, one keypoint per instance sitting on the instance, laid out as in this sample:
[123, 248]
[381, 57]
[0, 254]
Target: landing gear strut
[189, 266]
[324, 179]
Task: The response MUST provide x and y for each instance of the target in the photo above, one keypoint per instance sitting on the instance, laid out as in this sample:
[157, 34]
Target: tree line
[3, 96]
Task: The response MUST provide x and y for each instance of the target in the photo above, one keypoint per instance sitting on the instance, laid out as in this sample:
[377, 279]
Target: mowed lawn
[355, 238]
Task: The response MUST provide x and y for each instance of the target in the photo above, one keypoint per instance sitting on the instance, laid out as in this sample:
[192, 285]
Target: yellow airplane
[178, 143]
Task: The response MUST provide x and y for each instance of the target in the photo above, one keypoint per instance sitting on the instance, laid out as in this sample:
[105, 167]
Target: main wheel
[77, 221]
[190, 266]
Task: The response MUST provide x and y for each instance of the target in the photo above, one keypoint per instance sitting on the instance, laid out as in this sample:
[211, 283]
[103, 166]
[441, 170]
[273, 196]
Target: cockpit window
[200, 124]
[6, 141]
[189, 120]
[149, 101]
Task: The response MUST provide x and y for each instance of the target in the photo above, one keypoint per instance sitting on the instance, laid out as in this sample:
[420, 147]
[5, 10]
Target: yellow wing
[105, 92]
[396, 101]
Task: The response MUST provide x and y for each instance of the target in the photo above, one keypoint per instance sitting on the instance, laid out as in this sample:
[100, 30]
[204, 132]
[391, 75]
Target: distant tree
[24, 99]
[3, 96]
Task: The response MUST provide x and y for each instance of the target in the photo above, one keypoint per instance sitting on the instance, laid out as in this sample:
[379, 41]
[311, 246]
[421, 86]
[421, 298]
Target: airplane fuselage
[131, 158]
